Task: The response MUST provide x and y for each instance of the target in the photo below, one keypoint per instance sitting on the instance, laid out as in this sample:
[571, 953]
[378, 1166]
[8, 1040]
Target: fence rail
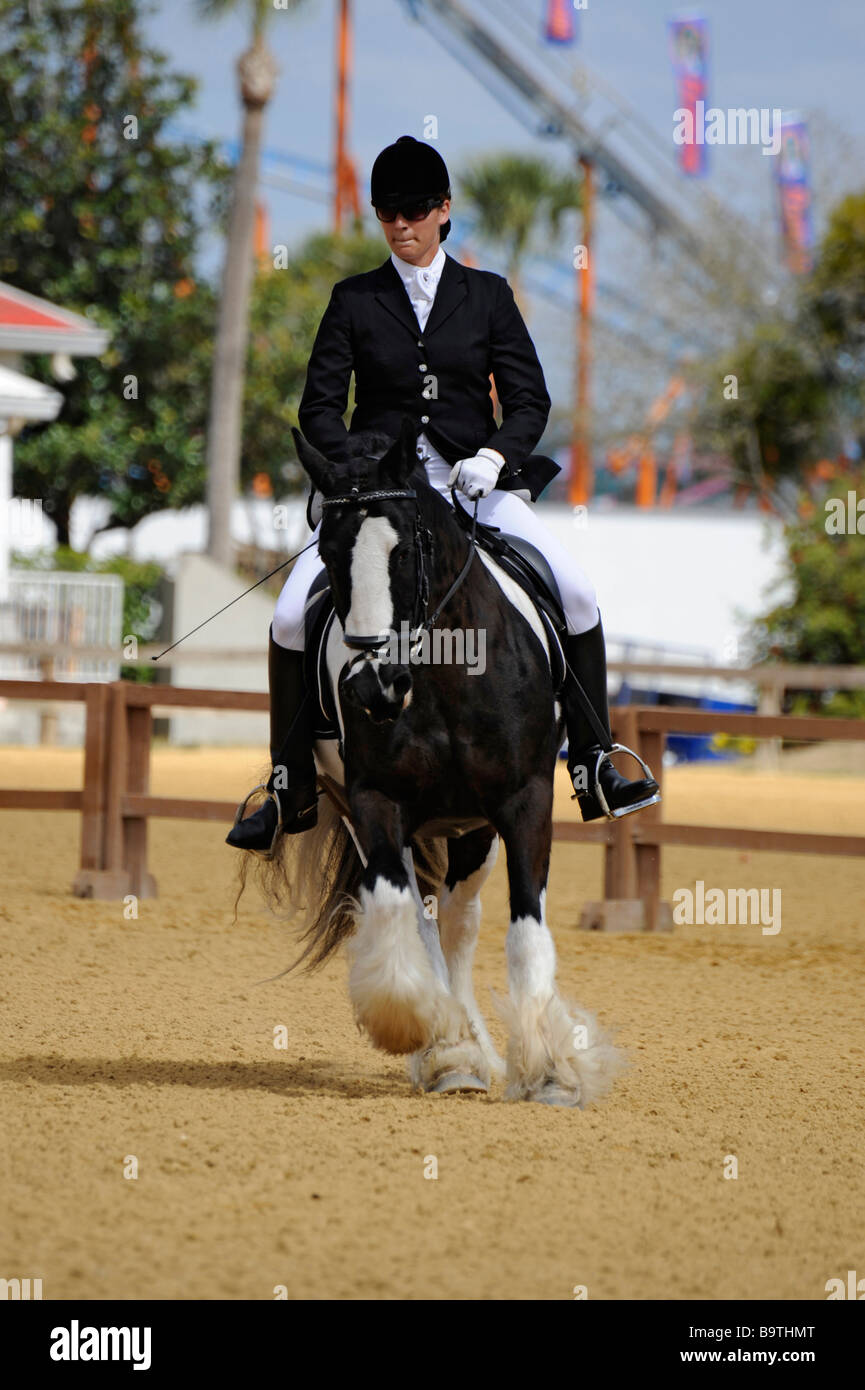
[780, 676]
[116, 803]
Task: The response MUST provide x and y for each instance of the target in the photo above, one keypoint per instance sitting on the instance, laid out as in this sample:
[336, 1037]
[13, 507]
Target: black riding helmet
[409, 171]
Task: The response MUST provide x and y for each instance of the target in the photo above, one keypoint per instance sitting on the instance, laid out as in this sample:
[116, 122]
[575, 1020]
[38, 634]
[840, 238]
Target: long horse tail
[314, 878]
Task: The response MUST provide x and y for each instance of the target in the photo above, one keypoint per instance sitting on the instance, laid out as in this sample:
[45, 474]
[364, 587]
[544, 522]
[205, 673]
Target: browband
[357, 497]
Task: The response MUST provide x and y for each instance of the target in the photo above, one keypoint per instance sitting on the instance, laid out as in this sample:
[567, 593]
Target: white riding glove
[476, 477]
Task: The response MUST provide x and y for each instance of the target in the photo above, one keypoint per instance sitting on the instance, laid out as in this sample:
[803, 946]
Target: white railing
[66, 611]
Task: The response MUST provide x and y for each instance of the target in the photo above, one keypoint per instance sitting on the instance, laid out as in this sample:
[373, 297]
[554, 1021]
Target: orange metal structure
[639, 448]
[345, 194]
[581, 483]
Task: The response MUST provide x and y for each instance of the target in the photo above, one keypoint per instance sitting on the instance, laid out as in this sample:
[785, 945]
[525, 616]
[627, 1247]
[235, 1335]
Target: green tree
[769, 408]
[102, 213]
[287, 305]
[800, 375]
[821, 619]
[834, 310]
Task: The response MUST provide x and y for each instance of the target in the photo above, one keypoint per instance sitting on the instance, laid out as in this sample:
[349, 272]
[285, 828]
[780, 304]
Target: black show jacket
[474, 328]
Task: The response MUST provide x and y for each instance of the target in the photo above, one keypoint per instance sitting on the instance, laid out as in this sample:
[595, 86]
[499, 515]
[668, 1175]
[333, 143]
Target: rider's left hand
[476, 477]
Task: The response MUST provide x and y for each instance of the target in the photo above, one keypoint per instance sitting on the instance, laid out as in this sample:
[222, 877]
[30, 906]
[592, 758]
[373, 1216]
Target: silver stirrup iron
[262, 787]
[636, 805]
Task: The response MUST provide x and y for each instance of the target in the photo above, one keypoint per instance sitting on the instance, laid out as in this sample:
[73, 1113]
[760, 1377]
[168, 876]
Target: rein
[422, 621]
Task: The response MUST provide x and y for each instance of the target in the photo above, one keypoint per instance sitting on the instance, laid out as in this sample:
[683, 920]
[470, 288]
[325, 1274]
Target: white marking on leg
[427, 926]
[459, 925]
[531, 957]
[556, 1052]
[396, 994]
[371, 611]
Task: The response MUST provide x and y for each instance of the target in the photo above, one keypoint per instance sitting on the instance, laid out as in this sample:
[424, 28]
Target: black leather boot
[292, 803]
[586, 655]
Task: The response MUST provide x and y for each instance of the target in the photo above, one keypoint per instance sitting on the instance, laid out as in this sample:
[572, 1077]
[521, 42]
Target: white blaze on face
[371, 611]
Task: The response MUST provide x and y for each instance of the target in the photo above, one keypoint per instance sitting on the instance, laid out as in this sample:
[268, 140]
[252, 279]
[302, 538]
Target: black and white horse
[441, 759]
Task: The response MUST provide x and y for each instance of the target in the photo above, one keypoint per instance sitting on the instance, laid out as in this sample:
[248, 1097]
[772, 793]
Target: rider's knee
[580, 603]
[287, 627]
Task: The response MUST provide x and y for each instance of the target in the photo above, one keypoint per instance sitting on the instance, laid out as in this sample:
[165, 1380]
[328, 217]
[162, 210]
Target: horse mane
[367, 444]
[362, 450]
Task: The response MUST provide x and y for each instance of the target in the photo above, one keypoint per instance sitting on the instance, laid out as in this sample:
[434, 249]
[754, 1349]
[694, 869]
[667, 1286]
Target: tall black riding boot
[586, 655]
[292, 803]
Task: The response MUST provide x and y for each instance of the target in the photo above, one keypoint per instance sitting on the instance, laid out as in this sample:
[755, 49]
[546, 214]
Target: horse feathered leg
[450, 1063]
[557, 1054]
[470, 862]
[398, 997]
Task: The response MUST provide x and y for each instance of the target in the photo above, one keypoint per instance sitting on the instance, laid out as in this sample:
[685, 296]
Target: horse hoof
[453, 1082]
[551, 1093]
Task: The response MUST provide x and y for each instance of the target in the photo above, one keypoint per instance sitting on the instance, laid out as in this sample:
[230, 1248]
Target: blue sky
[787, 53]
[765, 53]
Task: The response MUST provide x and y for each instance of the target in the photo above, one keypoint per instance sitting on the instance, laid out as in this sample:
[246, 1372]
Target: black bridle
[422, 621]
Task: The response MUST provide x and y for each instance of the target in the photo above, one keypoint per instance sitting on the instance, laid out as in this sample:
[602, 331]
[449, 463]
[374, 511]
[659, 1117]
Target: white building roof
[23, 398]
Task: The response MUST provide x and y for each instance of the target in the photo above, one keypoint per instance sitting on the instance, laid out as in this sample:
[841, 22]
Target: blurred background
[182, 183]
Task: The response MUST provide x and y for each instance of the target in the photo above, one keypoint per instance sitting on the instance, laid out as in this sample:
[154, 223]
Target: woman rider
[422, 334]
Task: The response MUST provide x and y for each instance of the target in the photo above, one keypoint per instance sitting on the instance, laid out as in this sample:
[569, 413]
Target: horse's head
[369, 543]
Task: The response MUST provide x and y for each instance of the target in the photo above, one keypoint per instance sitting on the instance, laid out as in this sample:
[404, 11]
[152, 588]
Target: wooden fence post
[93, 794]
[47, 717]
[139, 730]
[622, 909]
[768, 755]
[104, 774]
[657, 916]
[116, 785]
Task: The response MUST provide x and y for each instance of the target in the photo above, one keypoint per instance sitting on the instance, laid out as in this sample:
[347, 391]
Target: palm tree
[511, 195]
[256, 71]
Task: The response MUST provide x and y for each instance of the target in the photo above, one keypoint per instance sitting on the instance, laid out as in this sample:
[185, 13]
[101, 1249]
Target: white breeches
[500, 509]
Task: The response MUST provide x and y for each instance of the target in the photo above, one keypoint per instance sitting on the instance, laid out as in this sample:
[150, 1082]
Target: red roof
[17, 314]
[31, 324]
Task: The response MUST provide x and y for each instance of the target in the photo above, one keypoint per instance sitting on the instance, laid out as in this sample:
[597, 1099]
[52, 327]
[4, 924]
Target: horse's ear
[400, 461]
[319, 469]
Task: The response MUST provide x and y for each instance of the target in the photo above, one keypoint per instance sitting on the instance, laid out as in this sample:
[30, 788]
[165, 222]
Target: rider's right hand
[476, 477]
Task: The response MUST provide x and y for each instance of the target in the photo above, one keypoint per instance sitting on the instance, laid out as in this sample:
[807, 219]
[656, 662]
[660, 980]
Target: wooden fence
[116, 803]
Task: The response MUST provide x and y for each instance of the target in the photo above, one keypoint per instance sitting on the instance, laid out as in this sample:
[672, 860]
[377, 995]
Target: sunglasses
[412, 212]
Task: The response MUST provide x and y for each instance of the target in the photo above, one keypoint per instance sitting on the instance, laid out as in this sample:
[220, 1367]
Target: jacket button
[424, 419]
[422, 367]
[420, 342]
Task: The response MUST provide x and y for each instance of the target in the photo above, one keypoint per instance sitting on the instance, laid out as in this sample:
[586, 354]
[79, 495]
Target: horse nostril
[396, 682]
[402, 683]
